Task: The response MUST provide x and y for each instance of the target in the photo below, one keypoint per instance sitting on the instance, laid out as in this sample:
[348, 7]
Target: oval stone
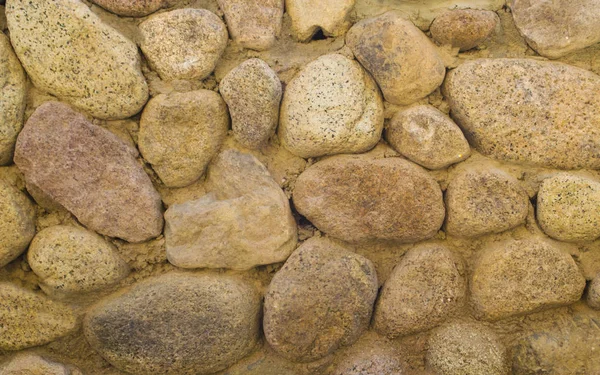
[17, 223]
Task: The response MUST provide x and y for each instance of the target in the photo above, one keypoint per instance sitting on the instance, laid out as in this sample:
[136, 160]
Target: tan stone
[308, 16]
[32, 364]
[253, 24]
[17, 222]
[370, 355]
[464, 28]
[593, 293]
[133, 8]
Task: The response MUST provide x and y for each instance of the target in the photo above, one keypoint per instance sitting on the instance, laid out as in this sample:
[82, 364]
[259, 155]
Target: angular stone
[358, 199]
[308, 16]
[183, 43]
[518, 277]
[428, 137]
[17, 222]
[320, 300]
[99, 73]
[464, 28]
[133, 8]
[245, 221]
[32, 364]
[332, 106]
[593, 293]
[528, 111]
[403, 61]
[176, 323]
[181, 132]
[254, 24]
[252, 92]
[90, 172]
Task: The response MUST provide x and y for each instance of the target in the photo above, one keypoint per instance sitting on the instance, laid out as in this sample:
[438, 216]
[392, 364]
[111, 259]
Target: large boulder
[17, 222]
[253, 24]
[308, 16]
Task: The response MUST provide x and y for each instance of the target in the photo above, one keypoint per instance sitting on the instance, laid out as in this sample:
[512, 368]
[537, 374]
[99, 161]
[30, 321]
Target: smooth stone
[17, 222]
[593, 293]
[464, 28]
[133, 8]
[254, 24]
[308, 16]
[32, 364]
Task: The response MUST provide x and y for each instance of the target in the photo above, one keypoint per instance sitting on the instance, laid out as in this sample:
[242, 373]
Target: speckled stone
[184, 43]
[403, 61]
[370, 355]
[133, 8]
[332, 106]
[308, 16]
[254, 24]
[17, 222]
[99, 74]
[464, 28]
[593, 293]
[32, 364]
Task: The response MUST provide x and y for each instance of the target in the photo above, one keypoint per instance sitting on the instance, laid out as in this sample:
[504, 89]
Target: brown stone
[593, 293]
[464, 28]
[254, 24]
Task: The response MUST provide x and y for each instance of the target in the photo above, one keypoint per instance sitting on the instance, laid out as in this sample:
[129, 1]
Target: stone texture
[252, 92]
[528, 111]
[245, 221]
[32, 364]
[332, 106]
[517, 277]
[369, 356]
[358, 199]
[253, 24]
[308, 16]
[31, 319]
[183, 43]
[181, 132]
[483, 201]
[90, 172]
[464, 28]
[403, 61]
[176, 324]
[568, 208]
[99, 74]
[320, 300]
[17, 222]
[428, 137]
[424, 289]
[593, 293]
[133, 8]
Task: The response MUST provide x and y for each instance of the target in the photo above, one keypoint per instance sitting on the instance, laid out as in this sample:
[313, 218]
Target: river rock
[403, 61]
[99, 74]
[181, 132]
[17, 222]
[32, 364]
[253, 24]
[528, 111]
[176, 324]
[377, 199]
[332, 106]
[464, 28]
[252, 92]
[341, 288]
[183, 43]
[308, 16]
[370, 355]
[593, 294]
[133, 8]
[90, 172]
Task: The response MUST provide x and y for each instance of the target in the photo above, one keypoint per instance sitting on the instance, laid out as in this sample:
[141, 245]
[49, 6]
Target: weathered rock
[253, 24]
[357, 199]
[17, 222]
[181, 132]
[320, 300]
[424, 289]
[484, 201]
[593, 293]
[31, 319]
[12, 99]
[99, 73]
[332, 106]
[528, 111]
[428, 137]
[90, 172]
[252, 92]
[183, 43]
[464, 28]
[133, 8]
[246, 221]
[403, 61]
[568, 208]
[518, 277]
[308, 16]
[176, 324]
[369, 356]
[32, 364]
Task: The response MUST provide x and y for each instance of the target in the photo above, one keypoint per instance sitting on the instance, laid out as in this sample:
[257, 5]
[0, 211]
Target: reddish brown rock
[133, 8]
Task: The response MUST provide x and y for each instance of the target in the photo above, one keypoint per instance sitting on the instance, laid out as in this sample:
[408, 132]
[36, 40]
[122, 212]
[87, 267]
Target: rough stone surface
[403, 61]
[517, 277]
[308, 16]
[245, 221]
[90, 172]
[379, 199]
[181, 132]
[428, 137]
[133, 8]
[32, 364]
[253, 24]
[212, 322]
[464, 28]
[320, 300]
[332, 106]
[484, 201]
[184, 43]
[369, 356]
[593, 293]
[31, 319]
[99, 74]
[528, 111]
[424, 289]
[17, 222]
[252, 92]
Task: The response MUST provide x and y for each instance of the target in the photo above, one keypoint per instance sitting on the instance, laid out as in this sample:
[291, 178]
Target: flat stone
[253, 24]
[90, 172]
[332, 106]
[181, 132]
[518, 277]
[252, 92]
[321, 299]
[133, 8]
[358, 199]
[464, 28]
[17, 222]
[593, 293]
[308, 16]
[32, 364]
[183, 43]
[99, 74]
[427, 137]
[403, 61]
[213, 321]
[528, 111]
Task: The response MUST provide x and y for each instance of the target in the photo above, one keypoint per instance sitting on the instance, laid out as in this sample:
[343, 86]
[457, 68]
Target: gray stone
[253, 24]
[464, 28]
[308, 16]
[17, 222]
